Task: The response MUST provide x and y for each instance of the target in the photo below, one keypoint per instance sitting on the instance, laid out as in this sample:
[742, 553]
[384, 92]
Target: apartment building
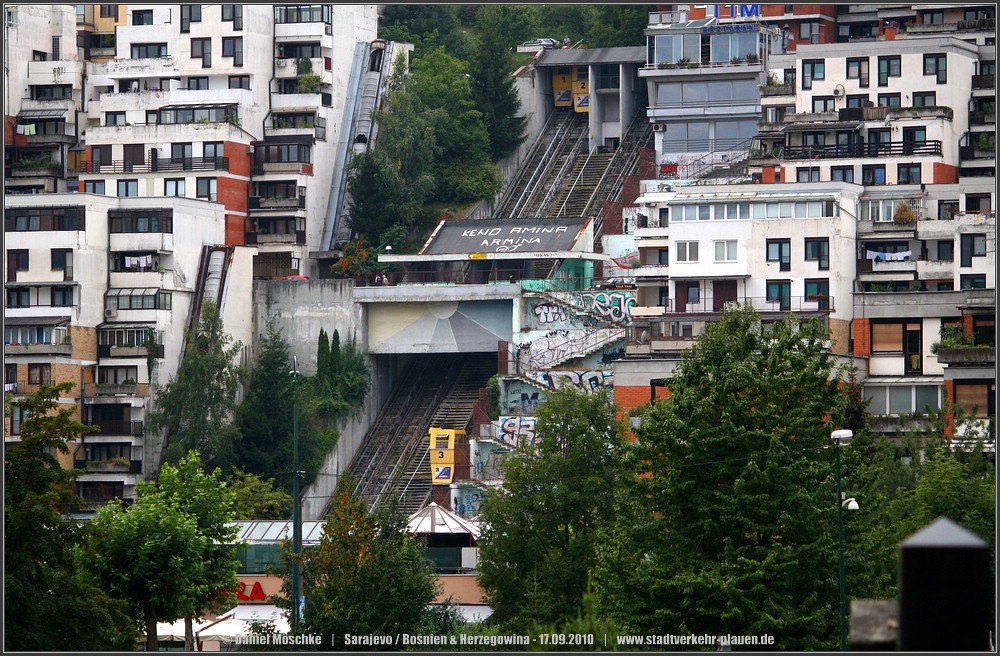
[162, 162]
[865, 199]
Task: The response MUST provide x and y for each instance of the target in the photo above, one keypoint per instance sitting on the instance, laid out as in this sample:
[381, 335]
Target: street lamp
[841, 437]
[296, 519]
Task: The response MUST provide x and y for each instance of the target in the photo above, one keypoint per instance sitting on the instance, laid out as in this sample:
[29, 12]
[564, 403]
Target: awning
[816, 127]
[42, 113]
[137, 291]
[899, 380]
[35, 321]
[212, 106]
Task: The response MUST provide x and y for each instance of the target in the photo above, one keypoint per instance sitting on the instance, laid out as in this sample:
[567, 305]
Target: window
[40, 374]
[663, 256]
[148, 50]
[818, 250]
[206, 188]
[117, 375]
[818, 291]
[873, 174]
[725, 251]
[152, 220]
[806, 31]
[173, 116]
[173, 187]
[687, 251]
[857, 69]
[812, 69]
[908, 174]
[780, 250]
[62, 260]
[142, 17]
[924, 99]
[9, 370]
[807, 174]
[239, 81]
[936, 65]
[44, 218]
[823, 104]
[213, 149]
[109, 11]
[975, 398]
[17, 260]
[232, 46]
[234, 14]
[94, 187]
[137, 299]
[197, 84]
[18, 297]
[128, 188]
[62, 297]
[180, 152]
[973, 281]
[889, 66]
[855, 101]
[51, 91]
[309, 50]
[947, 209]
[887, 337]
[202, 48]
[114, 118]
[945, 251]
[133, 154]
[189, 14]
[842, 173]
[780, 292]
[889, 100]
[696, 212]
[302, 14]
[935, 17]
[284, 153]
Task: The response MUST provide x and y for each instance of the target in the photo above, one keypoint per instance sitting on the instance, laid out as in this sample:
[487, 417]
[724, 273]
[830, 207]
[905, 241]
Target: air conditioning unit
[838, 91]
[281, 63]
[110, 314]
[658, 127]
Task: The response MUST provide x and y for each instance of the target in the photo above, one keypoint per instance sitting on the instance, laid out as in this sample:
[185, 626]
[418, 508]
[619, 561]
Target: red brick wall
[629, 397]
[862, 338]
[239, 157]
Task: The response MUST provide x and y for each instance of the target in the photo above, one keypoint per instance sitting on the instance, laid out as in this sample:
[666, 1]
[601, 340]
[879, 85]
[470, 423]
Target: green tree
[258, 498]
[728, 527]
[44, 576]
[541, 530]
[195, 409]
[509, 24]
[426, 27]
[365, 576]
[494, 91]
[173, 552]
[618, 25]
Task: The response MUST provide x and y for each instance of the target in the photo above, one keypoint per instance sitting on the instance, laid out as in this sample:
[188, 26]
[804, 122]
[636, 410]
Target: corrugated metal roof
[578, 56]
[436, 519]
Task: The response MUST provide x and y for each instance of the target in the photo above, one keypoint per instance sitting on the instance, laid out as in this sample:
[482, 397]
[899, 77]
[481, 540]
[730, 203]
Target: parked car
[544, 42]
[615, 283]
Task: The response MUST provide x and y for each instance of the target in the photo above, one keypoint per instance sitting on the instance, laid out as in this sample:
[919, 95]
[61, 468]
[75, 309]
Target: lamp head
[851, 504]
[842, 436]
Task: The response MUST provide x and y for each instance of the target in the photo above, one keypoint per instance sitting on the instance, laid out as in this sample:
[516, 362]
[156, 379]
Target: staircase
[573, 199]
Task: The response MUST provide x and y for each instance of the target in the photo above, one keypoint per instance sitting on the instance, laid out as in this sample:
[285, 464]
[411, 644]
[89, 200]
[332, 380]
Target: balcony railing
[863, 113]
[113, 389]
[982, 118]
[890, 149]
[817, 303]
[154, 166]
[38, 349]
[967, 356]
[983, 82]
[299, 237]
[118, 427]
[777, 90]
[110, 351]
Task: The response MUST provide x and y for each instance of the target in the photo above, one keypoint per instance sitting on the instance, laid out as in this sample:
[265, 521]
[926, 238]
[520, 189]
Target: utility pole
[296, 508]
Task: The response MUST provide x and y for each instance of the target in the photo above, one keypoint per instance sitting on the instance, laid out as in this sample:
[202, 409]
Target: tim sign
[740, 11]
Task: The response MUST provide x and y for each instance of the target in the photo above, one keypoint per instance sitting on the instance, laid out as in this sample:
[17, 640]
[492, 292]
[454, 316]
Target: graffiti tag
[517, 431]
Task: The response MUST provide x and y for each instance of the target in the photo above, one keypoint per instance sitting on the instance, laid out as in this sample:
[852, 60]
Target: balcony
[293, 202]
[117, 427]
[895, 266]
[159, 165]
[820, 303]
[299, 237]
[54, 72]
[112, 351]
[768, 90]
[975, 356]
[890, 149]
[38, 349]
[935, 269]
[987, 82]
[92, 390]
[982, 118]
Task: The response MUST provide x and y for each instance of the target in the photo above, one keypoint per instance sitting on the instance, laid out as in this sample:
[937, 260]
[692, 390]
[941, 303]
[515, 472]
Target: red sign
[256, 593]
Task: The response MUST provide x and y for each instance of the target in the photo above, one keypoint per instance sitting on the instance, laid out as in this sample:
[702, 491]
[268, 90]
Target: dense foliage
[541, 531]
[365, 577]
[195, 409]
[51, 603]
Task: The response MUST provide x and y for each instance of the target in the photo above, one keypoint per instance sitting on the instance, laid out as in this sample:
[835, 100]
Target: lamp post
[296, 519]
[841, 437]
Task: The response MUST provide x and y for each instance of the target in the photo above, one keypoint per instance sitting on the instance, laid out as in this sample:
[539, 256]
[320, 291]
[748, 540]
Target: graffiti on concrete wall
[517, 431]
[586, 381]
[547, 314]
[522, 398]
[486, 458]
[466, 501]
[613, 306]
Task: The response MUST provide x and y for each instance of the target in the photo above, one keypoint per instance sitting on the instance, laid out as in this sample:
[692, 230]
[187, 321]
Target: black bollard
[945, 590]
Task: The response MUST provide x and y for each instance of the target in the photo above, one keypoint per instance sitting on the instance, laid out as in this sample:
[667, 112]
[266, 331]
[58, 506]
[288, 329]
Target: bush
[903, 213]
[309, 83]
